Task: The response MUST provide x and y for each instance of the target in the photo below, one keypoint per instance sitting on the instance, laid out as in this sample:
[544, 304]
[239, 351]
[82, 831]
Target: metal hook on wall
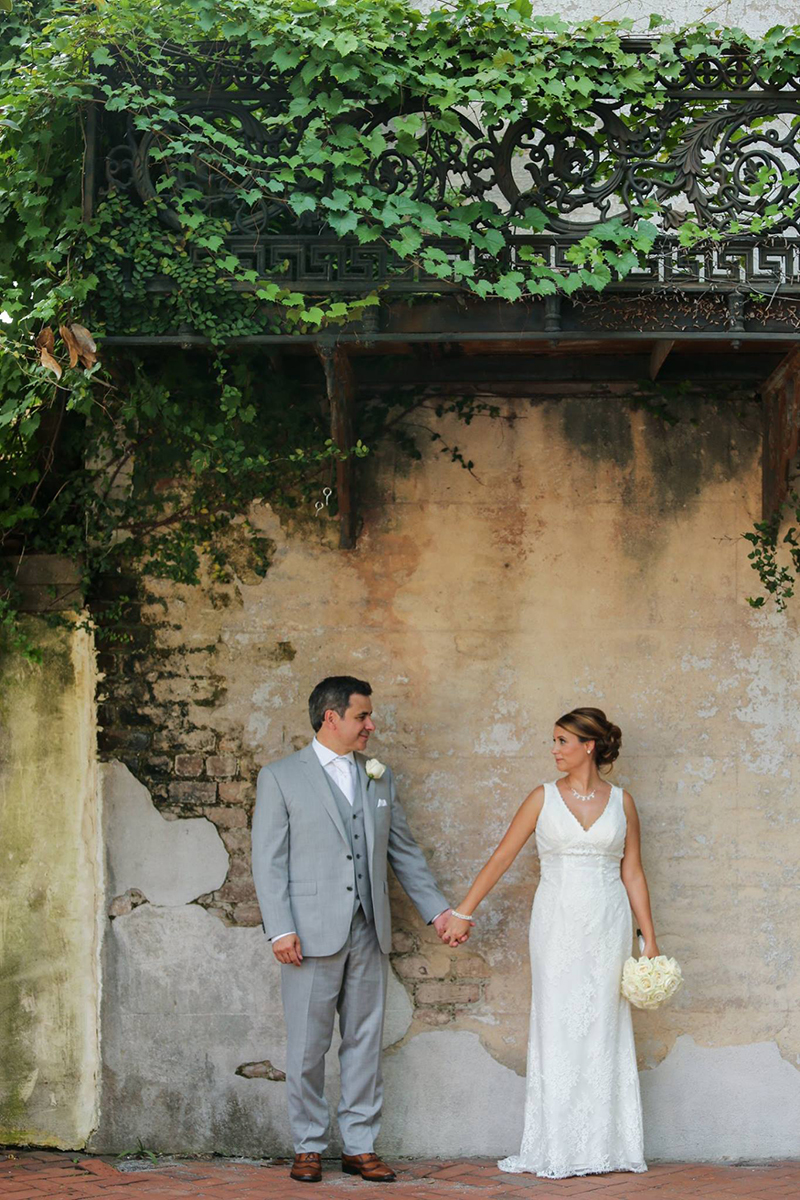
[320, 505]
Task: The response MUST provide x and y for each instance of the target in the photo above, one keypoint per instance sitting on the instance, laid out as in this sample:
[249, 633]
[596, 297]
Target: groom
[324, 829]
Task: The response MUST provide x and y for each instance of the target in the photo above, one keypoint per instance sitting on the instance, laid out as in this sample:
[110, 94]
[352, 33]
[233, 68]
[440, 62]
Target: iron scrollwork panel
[720, 149]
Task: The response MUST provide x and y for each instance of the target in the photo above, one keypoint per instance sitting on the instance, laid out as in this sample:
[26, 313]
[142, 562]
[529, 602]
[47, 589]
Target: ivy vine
[144, 457]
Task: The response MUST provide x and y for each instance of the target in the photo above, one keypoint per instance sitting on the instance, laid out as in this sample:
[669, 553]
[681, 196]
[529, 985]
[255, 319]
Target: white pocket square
[382, 803]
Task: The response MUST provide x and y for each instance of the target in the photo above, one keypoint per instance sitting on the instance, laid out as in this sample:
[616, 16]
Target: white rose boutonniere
[375, 768]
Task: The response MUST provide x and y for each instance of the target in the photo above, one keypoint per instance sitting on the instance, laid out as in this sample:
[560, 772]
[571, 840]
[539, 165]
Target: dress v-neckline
[599, 817]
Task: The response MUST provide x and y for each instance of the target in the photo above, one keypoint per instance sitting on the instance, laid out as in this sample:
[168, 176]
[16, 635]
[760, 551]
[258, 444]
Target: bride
[582, 1107]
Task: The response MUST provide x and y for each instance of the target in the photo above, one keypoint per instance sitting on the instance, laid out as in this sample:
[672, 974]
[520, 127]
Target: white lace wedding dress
[582, 1106]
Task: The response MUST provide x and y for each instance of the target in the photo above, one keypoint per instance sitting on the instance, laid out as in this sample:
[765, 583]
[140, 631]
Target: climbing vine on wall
[776, 552]
[143, 457]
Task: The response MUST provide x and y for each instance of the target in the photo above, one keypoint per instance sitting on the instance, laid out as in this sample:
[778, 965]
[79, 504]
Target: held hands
[451, 930]
[455, 930]
[287, 950]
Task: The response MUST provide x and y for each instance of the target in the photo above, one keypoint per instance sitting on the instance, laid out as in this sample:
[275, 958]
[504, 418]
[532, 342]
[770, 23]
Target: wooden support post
[658, 356]
[339, 382]
[780, 396]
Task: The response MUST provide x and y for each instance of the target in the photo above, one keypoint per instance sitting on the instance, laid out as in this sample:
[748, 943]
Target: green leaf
[345, 43]
[570, 283]
[102, 58]
[492, 241]
[343, 224]
[286, 59]
[302, 202]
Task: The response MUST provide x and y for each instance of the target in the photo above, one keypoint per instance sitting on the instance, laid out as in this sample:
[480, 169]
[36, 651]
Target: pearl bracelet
[461, 916]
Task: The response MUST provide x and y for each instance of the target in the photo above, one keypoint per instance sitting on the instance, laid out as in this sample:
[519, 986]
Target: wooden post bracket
[340, 388]
[659, 355]
[780, 395]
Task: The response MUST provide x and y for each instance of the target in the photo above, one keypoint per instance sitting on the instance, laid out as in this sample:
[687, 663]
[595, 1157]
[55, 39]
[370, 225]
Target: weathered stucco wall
[50, 889]
[754, 16]
[594, 557]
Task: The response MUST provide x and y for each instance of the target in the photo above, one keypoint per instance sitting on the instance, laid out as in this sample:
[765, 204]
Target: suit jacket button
[349, 888]
[349, 858]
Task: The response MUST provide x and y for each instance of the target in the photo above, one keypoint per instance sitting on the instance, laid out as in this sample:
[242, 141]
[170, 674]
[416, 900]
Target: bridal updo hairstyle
[592, 725]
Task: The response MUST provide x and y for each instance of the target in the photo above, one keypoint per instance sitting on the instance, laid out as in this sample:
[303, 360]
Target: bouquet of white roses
[649, 982]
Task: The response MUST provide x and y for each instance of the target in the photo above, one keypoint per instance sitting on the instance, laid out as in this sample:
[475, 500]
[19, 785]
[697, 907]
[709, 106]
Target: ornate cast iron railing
[730, 124]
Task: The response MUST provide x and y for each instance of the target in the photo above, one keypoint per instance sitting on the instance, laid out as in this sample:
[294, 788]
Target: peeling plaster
[189, 1002]
[170, 862]
[731, 1103]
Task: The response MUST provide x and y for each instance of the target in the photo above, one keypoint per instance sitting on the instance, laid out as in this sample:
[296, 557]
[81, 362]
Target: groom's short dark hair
[334, 692]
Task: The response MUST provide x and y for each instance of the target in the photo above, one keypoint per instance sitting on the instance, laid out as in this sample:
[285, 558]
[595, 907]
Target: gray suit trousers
[352, 982]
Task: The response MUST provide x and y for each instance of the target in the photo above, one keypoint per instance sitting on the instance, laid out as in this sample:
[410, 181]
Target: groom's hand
[287, 950]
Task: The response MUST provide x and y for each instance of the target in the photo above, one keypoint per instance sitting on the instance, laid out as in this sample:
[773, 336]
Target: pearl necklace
[578, 796]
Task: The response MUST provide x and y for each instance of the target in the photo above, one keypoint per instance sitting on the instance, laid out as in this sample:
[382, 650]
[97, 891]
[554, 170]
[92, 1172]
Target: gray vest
[353, 821]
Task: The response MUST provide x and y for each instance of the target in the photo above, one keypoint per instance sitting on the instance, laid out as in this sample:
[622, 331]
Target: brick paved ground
[35, 1175]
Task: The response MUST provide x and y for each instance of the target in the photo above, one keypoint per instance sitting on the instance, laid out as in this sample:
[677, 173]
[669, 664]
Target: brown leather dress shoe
[306, 1168]
[369, 1167]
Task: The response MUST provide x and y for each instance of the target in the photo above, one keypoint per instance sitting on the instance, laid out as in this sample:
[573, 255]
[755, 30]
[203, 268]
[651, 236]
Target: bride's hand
[456, 931]
[650, 950]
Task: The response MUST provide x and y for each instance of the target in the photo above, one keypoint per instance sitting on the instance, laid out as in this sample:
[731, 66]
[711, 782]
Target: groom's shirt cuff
[441, 914]
[280, 935]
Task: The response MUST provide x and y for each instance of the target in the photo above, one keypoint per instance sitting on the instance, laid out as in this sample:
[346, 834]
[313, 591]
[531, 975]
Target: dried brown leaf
[46, 339]
[69, 341]
[46, 344]
[49, 362]
[86, 345]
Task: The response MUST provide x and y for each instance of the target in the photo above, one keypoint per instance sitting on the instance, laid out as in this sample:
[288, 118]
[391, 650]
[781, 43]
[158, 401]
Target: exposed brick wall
[443, 983]
[149, 700]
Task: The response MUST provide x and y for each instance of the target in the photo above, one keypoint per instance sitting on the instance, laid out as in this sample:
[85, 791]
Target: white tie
[344, 771]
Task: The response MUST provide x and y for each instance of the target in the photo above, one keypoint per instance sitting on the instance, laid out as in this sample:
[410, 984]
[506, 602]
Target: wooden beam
[658, 356]
[780, 395]
[340, 388]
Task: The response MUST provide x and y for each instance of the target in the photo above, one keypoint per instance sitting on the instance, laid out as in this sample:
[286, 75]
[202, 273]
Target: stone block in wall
[248, 914]
[419, 966]
[118, 741]
[472, 966]
[402, 941]
[47, 582]
[239, 791]
[221, 766]
[196, 793]
[184, 740]
[226, 818]
[447, 992]
[434, 1016]
[190, 765]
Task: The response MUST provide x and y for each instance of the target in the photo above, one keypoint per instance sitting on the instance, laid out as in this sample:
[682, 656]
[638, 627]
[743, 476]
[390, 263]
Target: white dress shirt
[344, 773]
[341, 768]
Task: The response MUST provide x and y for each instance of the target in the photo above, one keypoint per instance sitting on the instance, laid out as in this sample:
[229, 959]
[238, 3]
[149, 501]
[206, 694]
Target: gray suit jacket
[301, 867]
